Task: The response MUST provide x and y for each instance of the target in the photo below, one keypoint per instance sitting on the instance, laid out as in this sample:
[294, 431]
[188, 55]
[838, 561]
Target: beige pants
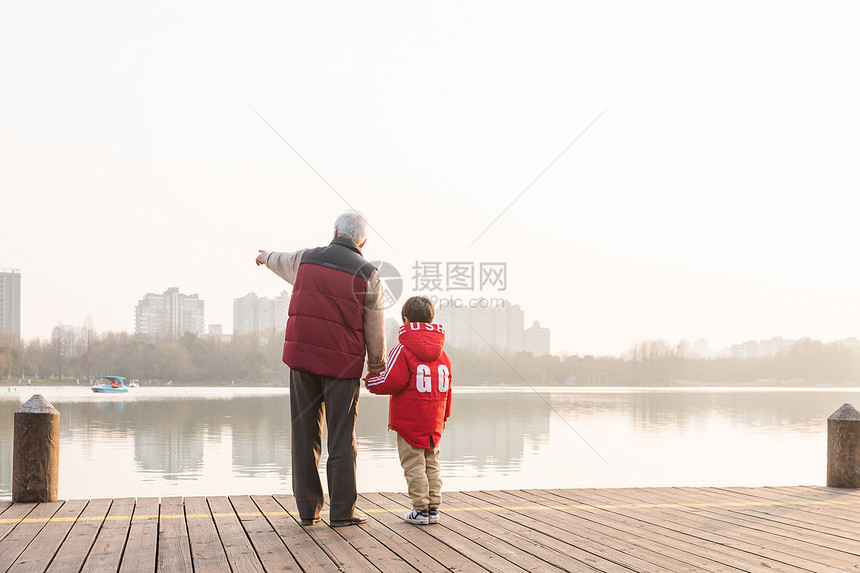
[423, 474]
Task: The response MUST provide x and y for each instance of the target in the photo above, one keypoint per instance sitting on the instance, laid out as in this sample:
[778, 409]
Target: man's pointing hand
[261, 258]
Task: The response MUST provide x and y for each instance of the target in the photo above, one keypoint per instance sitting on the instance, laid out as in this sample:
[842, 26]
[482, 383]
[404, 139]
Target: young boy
[418, 377]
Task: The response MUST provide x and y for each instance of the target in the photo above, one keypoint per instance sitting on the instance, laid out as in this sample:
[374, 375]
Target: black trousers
[313, 399]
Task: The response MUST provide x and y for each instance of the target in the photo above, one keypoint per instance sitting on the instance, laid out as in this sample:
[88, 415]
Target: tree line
[659, 363]
[256, 359]
[253, 358]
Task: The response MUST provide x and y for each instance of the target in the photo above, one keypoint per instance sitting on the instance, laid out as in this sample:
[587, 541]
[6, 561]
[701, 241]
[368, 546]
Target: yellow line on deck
[725, 504]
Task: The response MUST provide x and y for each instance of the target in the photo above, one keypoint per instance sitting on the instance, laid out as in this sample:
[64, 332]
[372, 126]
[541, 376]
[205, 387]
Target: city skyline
[276, 306]
[504, 334]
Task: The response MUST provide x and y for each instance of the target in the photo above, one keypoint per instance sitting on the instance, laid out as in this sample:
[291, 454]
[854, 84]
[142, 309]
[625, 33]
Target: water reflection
[225, 441]
[684, 409]
[261, 435]
[491, 431]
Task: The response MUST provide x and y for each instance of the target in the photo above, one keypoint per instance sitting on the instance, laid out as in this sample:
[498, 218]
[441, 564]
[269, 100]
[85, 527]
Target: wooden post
[843, 448]
[36, 457]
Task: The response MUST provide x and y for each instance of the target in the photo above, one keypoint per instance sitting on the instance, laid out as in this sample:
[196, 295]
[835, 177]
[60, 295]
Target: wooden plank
[271, 550]
[790, 529]
[822, 501]
[714, 529]
[643, 524]
[829, 492]
[643, 529]
[548, 552]
[844, 501]
[207, 553]
[817, 517]
[543, 532]
[818, 546]
[340, 552]
[849, 493]
[493, 554]
[801, 491]
[108, 547]
[371, 548]
[783, 519]
[174, 549]
[303, 548]
[12, 515]
[837, 502]
[240, 552]
[44, 546]
[14, 544]
[587, 543]
[797, 545]
[647, 523]
[429, 554]
[688, 520]
[141, 550]
[73, 553]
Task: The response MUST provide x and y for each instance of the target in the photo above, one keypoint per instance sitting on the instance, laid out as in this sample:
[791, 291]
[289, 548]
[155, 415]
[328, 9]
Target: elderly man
[335, 317]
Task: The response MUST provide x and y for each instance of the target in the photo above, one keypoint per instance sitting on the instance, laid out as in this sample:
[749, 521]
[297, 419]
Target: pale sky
[716, 197]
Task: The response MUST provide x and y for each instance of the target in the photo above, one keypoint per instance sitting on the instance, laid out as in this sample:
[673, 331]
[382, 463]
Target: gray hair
[351, 225]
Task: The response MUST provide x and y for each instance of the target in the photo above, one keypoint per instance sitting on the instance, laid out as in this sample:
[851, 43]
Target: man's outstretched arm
[285, 265]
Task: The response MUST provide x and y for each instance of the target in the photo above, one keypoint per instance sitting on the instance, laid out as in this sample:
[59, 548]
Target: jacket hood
[424, 339]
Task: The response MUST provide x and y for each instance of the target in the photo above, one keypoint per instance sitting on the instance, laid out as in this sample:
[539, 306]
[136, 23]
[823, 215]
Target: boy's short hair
[418, 309]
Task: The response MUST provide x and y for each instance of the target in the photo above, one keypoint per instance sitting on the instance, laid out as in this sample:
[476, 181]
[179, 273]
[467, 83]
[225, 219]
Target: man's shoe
[433, 515]
[356, 519]
[417, 517]
[309, 520]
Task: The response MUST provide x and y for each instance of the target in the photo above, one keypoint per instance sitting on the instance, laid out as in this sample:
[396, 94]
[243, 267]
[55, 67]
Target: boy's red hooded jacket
[418, 377]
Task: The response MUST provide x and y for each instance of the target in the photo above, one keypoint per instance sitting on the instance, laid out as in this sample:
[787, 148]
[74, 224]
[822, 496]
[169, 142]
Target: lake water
[224, 441]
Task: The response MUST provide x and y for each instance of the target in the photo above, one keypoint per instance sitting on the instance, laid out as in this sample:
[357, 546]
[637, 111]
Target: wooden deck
[770, 529]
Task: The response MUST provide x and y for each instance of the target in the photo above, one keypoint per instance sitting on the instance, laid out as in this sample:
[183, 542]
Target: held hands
[261, 258]
[369, 376]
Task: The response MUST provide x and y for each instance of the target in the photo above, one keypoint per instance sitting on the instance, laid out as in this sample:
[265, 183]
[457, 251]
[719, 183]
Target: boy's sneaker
[433, 515]
[417, 517]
